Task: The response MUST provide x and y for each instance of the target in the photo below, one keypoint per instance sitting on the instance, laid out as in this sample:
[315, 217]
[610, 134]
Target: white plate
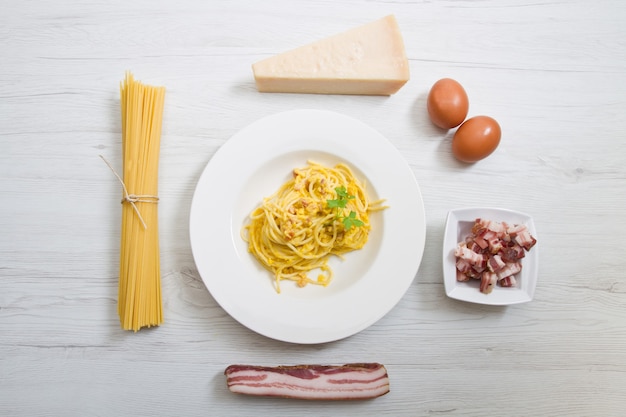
[458, 226]
[253, 164]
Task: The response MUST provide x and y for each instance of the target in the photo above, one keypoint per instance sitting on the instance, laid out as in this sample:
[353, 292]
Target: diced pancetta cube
[461, 277]
[495, 245]
[481, 242]
[487, 282]
[464, 252]
[475, 247]
[495, 263]
[512, 253]
[516, 228]
[525, 240]
[463, 265]
[507, 282]
[511, 268]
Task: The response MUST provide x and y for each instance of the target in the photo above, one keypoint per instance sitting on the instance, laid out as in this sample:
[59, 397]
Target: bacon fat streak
[311, 382]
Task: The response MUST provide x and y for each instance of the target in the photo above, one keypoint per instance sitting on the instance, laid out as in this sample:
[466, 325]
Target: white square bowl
[458, 226]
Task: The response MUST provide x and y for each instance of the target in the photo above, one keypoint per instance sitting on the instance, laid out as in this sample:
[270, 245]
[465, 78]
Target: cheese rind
[367, 60]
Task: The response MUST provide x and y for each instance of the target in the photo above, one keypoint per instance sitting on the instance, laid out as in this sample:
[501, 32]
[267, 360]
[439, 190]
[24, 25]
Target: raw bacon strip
[310, 382]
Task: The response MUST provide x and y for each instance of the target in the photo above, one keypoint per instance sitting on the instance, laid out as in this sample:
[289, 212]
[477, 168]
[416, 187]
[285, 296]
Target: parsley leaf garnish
[351, 220]
[340, 203]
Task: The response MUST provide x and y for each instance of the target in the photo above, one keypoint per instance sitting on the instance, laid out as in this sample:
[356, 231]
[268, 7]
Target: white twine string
[133, 198]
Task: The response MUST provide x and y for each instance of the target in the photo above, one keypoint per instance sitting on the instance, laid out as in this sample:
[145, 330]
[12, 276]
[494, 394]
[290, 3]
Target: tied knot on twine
[132, 198]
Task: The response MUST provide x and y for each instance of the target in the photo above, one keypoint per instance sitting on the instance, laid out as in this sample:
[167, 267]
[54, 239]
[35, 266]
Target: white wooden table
[552, 74]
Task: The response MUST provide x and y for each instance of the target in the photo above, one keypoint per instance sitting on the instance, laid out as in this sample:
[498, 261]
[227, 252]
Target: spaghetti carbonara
[320, 212]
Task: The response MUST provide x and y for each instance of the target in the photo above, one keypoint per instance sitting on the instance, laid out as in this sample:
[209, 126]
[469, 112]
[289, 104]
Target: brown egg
[476, 139]
[447, 103]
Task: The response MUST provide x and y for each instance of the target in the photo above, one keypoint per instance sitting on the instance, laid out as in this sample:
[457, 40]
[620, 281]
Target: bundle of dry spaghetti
[139, 300]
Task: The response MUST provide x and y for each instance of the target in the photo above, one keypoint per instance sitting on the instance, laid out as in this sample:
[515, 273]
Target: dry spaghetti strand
[294, 231]
[139, 300]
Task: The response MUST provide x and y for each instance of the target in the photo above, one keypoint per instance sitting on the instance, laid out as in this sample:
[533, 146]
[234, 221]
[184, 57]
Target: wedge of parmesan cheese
[366, 60]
